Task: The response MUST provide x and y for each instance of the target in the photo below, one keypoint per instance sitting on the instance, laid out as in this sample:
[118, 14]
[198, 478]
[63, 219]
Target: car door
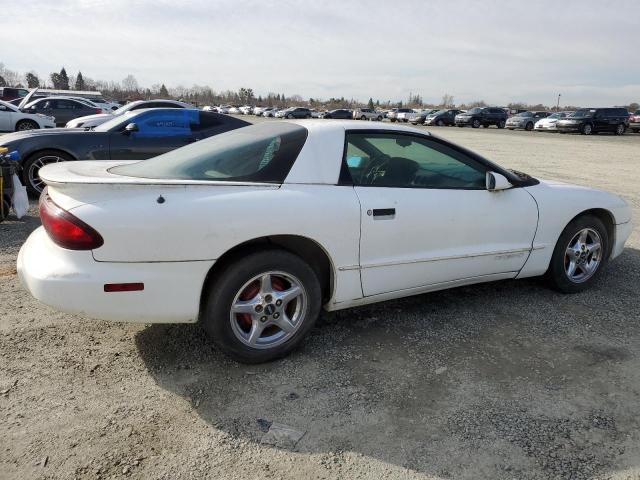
[159, 131]
[427, 217]
[6, 118]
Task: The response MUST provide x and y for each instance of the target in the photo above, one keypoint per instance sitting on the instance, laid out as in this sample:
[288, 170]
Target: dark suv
[484, 116]
[8, 93]
[593, 120]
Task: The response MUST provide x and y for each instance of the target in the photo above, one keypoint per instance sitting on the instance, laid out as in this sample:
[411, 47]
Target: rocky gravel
[508, 380]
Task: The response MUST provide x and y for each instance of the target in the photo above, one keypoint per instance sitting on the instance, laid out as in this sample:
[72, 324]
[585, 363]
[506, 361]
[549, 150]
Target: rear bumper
[72, 281]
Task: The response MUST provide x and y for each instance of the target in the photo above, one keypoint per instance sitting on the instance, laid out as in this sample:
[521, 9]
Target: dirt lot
[500, 381]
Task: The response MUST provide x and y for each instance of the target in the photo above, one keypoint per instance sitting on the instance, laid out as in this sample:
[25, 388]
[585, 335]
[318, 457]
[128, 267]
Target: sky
[492, 50]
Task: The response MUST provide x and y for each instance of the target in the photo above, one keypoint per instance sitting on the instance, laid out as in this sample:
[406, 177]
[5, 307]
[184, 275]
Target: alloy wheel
[268, 309]
[583, 255]
[33, 174]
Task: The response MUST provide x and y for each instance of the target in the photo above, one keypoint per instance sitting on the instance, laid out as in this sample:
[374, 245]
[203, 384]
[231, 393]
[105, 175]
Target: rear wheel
[31, 168]
[587, 129]
[579, 255]
[363, 117]
[620, 129]
[476, 123]
[440, 123]
[261, 306]
[529, 127]
[289, 116]
[502, 124]
[379, 118]
[26, 125]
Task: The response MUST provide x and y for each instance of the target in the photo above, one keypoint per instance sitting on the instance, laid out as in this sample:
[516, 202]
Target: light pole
[558, 105]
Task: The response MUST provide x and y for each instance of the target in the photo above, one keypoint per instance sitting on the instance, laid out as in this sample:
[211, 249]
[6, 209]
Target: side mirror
[130, 128]
[496, 182]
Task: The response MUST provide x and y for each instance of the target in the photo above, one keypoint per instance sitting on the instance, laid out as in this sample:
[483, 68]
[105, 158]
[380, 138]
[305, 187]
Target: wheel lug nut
[276, 315]
[278, 302]
[268, 298]
[258, 308]
[263, 319]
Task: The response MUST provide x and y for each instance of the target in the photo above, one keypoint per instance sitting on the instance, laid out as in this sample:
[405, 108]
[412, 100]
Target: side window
[206, 122]
[407, 161]
[166, 123]
[67, 105]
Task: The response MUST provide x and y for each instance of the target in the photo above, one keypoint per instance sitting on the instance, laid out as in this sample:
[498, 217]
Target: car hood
[97, 116]
[19, 136]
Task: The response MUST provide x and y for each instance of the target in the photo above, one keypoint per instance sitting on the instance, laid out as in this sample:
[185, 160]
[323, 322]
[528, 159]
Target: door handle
[383, 212]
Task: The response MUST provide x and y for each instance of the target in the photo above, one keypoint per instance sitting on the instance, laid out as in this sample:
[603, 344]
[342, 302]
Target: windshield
[116, 121]
[475, 110]
[583, 113]
[258, 153]
[524, 114]
[124, 108]
[440, 112]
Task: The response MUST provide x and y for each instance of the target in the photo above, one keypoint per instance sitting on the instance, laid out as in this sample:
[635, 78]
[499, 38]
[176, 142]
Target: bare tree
[130, 84]
[447, 101]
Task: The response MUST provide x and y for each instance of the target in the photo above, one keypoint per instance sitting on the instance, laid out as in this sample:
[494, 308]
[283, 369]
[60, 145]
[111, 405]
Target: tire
[379, 118]
[232, 332]
[559, 267]
[363, 117]
[512, 129]
[587, 129]
[475, 123]
[32, 166]
[502, 124]
[620, 129]
[392, 119]
[23, 125]
[289, 116]
[440, 123]
[529, 127]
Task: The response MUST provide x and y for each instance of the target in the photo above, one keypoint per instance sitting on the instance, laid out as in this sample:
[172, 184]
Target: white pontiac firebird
[251, 232]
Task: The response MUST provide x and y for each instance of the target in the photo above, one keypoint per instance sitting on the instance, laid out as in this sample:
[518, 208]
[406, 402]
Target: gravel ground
[508, 380]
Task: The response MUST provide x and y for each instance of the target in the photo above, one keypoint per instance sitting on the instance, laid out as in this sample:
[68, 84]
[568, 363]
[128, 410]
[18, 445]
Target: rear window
[258, 153]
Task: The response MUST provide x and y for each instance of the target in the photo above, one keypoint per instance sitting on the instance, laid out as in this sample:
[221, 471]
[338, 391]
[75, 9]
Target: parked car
[259, 287]
[63, 109]
[525, 120]
[257, 111]
[315, 113]
[420, 116]
[548, 124]
[482, 116]
[391, 114]
[234, 110]
[634, 121]
[404, 114]
[246, 110]
[13, 119]
[223, 109]
[134, 135]
[270, 112]
[294, 112]
[9, 93]
[340, 113]
[595, 120]
[95, 120]
[367, 114]
[442, 117]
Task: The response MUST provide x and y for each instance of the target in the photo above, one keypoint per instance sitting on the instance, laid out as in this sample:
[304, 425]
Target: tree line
[128, 90]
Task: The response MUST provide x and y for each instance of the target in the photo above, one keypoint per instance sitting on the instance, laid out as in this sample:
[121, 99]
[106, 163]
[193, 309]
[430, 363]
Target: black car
[341, 113]
[295, 112]
[482, 116]
[61, 108]
[134, 135]
[442, 117]
[593, 120]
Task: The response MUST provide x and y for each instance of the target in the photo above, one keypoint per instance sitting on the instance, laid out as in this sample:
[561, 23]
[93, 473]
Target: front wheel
[620, 129]
[440, 123]
[529, 127]
[261, 306]
[23, 125]
[579, 255]
[587, 129]
[476, 124]
[379, 118]
[31, 168]
[289, 116]
[502, 124]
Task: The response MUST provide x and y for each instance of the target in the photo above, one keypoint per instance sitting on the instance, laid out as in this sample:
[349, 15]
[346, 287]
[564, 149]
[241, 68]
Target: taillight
[65, 229]
[99, 110]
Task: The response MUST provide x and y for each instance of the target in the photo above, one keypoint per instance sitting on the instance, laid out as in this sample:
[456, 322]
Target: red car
[9, 93]
[634, 121]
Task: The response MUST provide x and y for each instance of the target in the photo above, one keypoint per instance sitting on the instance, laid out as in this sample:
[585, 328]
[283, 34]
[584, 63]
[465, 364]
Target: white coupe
[251, 232]
[12, 119]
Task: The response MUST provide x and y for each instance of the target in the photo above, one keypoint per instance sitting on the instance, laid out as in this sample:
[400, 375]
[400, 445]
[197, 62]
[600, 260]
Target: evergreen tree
[80, 84]
[370, 104]
[32, 80]
[164, 93]
[64, 80]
